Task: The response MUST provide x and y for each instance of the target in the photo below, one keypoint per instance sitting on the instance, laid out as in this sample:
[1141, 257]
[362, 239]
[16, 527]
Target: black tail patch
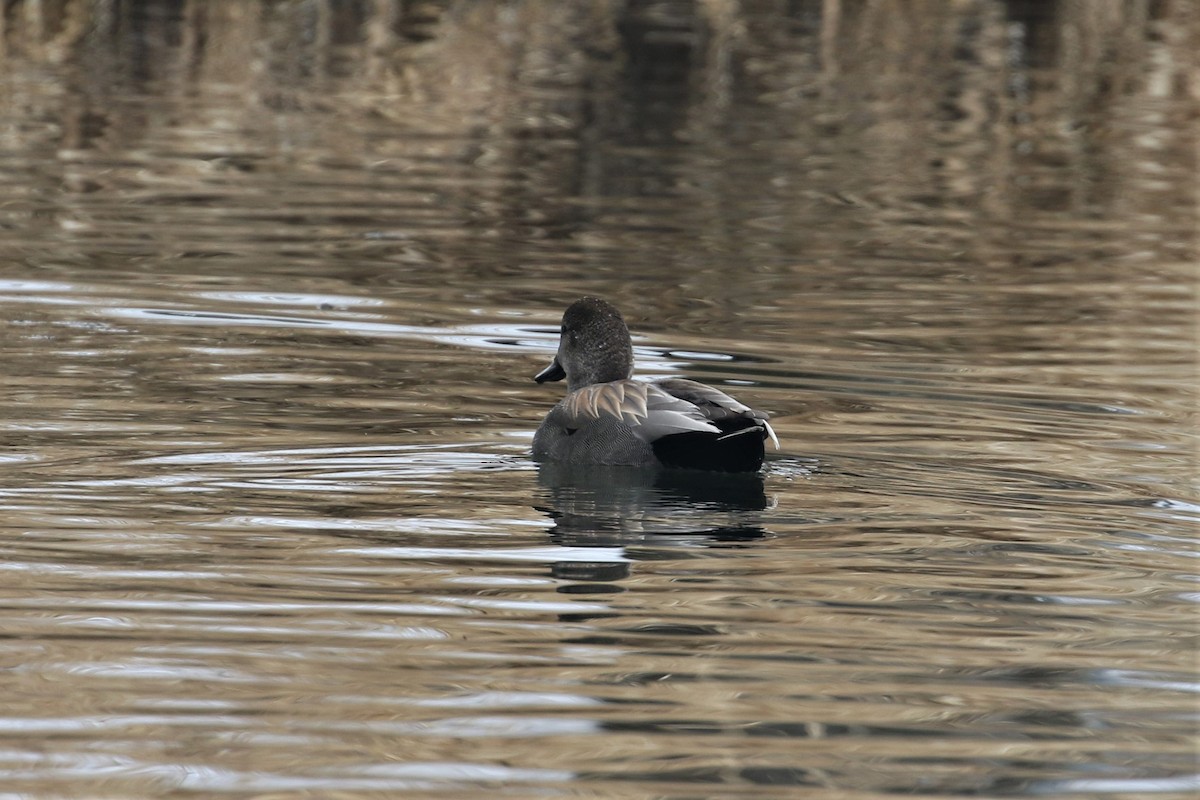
[737, 448]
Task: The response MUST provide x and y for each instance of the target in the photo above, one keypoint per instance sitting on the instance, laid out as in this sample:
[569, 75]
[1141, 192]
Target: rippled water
[275, 281]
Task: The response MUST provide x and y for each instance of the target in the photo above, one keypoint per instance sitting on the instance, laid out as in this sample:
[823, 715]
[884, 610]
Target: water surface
[275, 280]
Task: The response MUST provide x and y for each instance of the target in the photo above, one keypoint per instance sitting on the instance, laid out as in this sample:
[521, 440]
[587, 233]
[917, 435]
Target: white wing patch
[771, 433]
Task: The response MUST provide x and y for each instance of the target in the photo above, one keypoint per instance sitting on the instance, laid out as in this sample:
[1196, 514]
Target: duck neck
[617, 365]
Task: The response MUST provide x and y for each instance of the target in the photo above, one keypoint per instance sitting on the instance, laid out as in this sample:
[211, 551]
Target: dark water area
[275, 279]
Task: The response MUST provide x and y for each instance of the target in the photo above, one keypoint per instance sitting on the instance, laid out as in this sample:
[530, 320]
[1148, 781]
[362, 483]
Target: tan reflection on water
[275, 277]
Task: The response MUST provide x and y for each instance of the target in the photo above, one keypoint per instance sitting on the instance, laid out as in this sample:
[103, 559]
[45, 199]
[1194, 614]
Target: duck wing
[650, 411]
[714, 404]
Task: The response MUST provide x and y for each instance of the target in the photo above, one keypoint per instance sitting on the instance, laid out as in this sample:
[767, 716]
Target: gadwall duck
[607, 418]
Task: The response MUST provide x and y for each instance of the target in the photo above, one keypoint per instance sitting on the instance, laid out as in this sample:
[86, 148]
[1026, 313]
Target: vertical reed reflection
[585, 122]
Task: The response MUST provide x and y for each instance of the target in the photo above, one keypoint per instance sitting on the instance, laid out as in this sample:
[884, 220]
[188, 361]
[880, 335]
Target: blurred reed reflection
[749, 154]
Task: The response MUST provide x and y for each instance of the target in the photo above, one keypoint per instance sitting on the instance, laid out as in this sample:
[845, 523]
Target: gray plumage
[607, 418]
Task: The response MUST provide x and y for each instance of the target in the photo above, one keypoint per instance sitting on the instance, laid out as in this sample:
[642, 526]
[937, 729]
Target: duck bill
[554, 372]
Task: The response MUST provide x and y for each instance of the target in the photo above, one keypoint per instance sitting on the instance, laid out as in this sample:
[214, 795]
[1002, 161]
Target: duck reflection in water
[604, 506]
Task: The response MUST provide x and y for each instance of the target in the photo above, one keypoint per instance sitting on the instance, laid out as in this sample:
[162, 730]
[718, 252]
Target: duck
[608, 418]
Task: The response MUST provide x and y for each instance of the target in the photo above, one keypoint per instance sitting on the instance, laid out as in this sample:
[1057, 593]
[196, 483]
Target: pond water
[275, 279]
